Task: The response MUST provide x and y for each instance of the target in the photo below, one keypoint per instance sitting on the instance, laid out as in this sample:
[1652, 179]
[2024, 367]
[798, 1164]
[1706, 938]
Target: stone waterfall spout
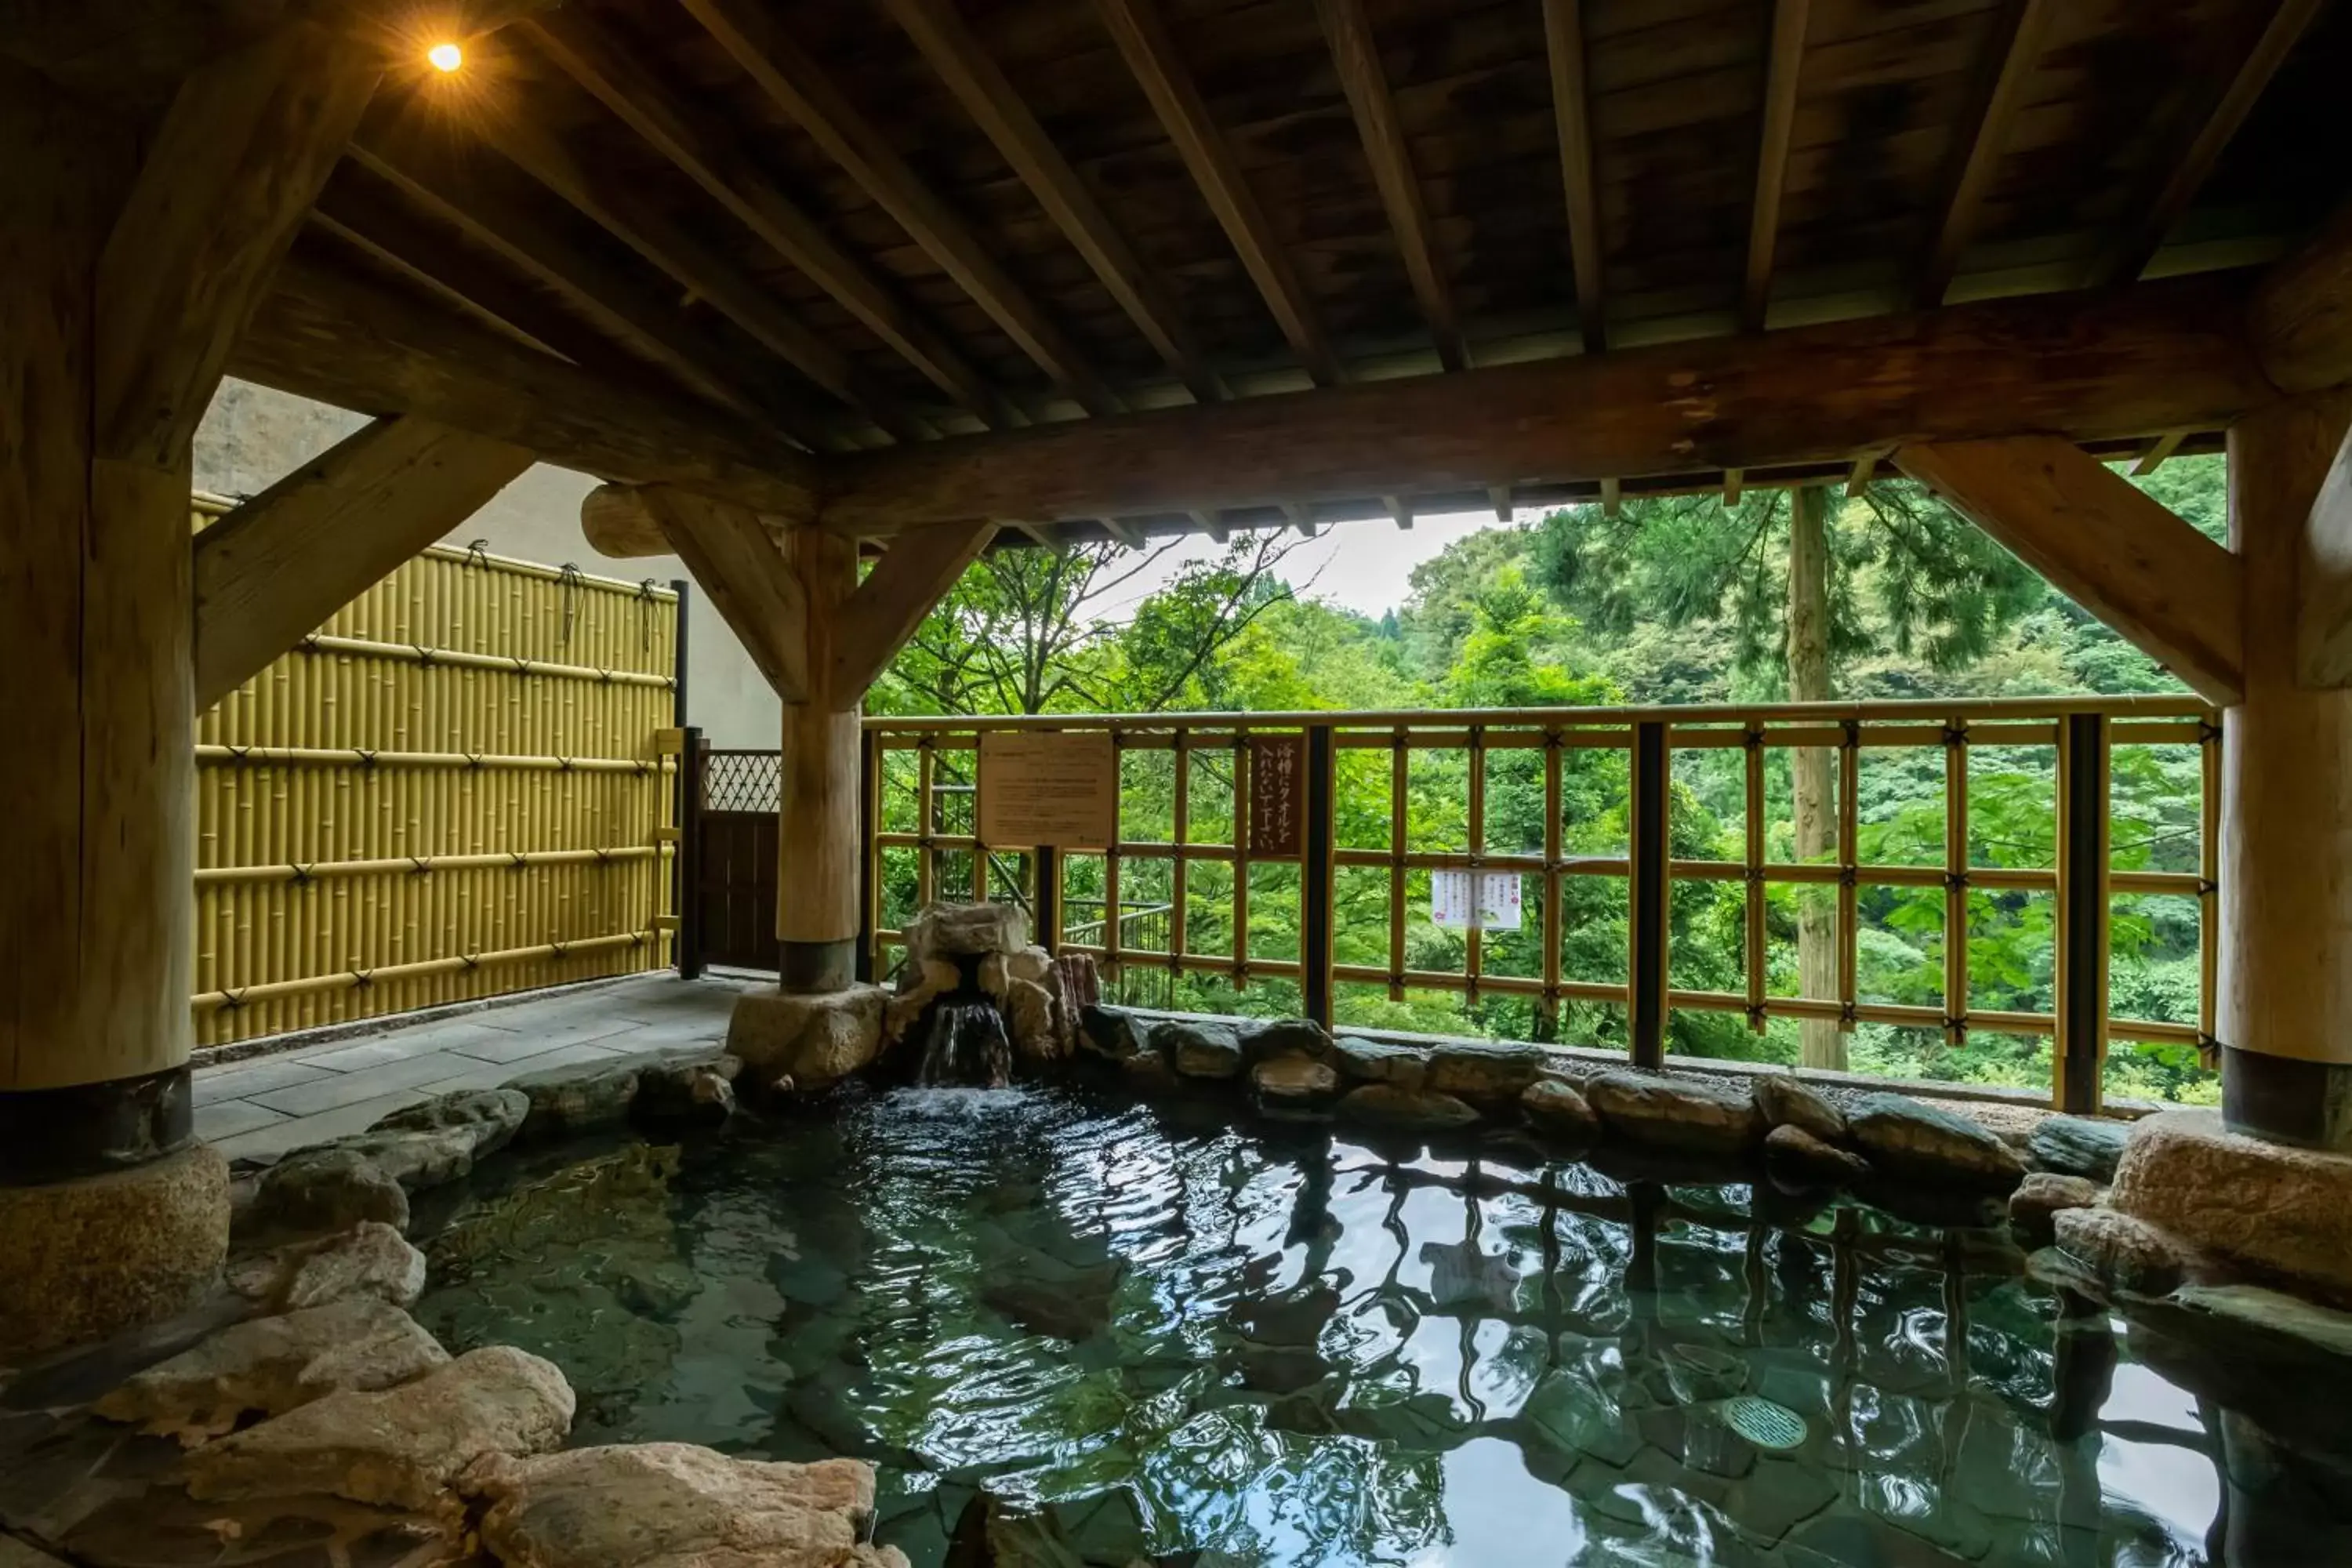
[975, 990]
[964, 1040]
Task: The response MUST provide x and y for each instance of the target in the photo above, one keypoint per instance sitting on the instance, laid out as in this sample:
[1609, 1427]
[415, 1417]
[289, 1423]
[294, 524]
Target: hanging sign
[1475, 900]
[1277, 796]
[1042, 788]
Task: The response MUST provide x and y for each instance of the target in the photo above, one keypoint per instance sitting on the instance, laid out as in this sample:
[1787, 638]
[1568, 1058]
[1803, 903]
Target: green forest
[1775, 595]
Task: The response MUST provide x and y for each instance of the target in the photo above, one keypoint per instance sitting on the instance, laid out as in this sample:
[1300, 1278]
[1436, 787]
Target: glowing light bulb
[446, 57]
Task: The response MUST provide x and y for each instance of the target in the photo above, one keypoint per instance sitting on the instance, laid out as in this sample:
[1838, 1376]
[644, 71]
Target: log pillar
[818, 842]
[2283, 1011]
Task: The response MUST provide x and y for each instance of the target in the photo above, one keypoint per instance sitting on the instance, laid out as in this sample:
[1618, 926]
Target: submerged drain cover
[1763, 1422]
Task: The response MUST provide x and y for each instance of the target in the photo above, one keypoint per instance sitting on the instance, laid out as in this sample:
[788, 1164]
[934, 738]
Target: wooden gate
[731, 905]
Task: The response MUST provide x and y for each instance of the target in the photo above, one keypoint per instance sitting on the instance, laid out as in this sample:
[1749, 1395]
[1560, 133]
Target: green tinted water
[1208, 1346]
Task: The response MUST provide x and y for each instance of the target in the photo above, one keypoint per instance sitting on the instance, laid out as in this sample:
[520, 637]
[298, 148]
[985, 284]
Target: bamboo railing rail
[458, 785]
[2082, 733]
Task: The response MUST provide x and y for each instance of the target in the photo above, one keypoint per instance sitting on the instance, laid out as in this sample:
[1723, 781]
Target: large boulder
[1799, 1160]
[2128, 1254]
[1263, 1039]
[400, 1447]
[329, 1188]
[371, 1260]
[1406, 1110]
[1293, 1084]
[1029, 1017]
[688, 1089]
[1697, 1116]
[1115, 1032]
[673, 1505]
[2280, 1213]
[1485, 1071]
[963, 931]
[2079, 1146]
[271, 1365]
[814, 1039]
[1909, 1141]
[1201, 1048]
[587, 1096]
[1362, 1059]
[490, 1117]
[2034, 1207]
[1785, 1100]
[1558, 1109]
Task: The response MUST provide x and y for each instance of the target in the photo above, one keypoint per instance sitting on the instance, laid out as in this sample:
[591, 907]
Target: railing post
[686, 874]
[1315, 880]
[869, 871]
[1646, 897]
[2081, 1048]
[1046, 904]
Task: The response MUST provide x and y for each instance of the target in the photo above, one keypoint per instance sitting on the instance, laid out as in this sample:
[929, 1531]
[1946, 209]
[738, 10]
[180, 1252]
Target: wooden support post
[869, 873]
[693, 757]
[285, 561]
[1315, 868]
[2284, 1013]
[1647, 897]
[2080, 1049]
[817, 885]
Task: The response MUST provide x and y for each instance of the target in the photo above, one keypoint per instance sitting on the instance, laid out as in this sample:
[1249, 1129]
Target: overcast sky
[1364, 566]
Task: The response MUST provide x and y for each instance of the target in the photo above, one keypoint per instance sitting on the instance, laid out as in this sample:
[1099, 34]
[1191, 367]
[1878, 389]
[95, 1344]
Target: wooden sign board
[1040, 787]
[1277, 796]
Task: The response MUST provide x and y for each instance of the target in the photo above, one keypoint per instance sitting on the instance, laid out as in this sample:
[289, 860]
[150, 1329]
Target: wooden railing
[1183, 807]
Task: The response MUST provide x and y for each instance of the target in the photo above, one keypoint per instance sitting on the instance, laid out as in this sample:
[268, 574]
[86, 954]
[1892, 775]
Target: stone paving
[262, 1107]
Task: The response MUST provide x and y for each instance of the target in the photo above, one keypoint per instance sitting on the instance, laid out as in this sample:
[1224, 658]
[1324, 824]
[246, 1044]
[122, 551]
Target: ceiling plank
[1784, 65]
[960, 59]
[284, 562]
[328, 333]
[1998, 94]
[1357, 53]
[1571, 97]
[439, 184]
[652, 110]
[803, 89]
[2104, 542]
[2091, 367]
[1141, 34]
[696, 267]
[2185, 174]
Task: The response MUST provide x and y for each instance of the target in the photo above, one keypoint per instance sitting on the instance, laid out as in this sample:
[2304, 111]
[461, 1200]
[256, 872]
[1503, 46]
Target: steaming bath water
[1201, 1345]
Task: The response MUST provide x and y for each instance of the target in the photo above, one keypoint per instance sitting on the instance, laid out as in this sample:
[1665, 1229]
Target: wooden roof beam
[2185, 175]
[2301, 318]
[282, 563]
[1998, 93]
[1141, 34]
[1571, 96]
[329, 333]
[957, 56]
[2099, 367]
[1784, 65]
[698, 268]
[803, 89]
[1357, 53]
[2104, 544]
[673, 130]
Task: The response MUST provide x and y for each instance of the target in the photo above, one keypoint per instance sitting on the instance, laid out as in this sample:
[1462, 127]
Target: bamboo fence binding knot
[569, 594]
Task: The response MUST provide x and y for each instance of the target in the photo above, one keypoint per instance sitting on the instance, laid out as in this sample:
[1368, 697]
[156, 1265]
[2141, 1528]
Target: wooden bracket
[293, 555]
[734, 557]
[2104, 542]
[903, 587]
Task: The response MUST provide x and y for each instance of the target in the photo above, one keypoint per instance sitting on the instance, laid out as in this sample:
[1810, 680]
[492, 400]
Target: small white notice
[1475, 900]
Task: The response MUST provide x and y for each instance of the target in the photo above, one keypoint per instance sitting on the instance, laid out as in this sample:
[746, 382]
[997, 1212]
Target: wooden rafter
[240, 155]
[2185, 175]
[285, 561]
[960, 59]
[1571, 95]
[804, 91]
[1141, 34]
[674, 129]
[1998, 93]
[650, 327]
[1784, 63]
[2098, 367]
[1357, 53]
[1400, 509]
[1499, 498]
[2104, 542]
[614, 206]
[328, 333]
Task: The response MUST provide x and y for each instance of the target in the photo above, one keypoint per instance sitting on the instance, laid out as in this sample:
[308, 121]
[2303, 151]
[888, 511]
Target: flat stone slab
[1414, 1110]
[2279, 1212]
[1909, 1141]
[1694, 1115]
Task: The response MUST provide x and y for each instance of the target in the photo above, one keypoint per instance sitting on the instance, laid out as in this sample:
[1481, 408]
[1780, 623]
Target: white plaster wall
[252, 437]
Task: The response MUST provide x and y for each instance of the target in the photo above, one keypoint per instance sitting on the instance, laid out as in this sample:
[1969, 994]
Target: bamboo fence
[460, 786]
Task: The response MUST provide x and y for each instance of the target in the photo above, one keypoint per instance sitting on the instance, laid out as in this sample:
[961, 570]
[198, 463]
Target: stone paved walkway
[262, 1107]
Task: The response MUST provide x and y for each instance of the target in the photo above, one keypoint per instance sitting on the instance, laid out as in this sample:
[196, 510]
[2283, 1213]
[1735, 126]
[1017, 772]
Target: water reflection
[1183, 1343]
